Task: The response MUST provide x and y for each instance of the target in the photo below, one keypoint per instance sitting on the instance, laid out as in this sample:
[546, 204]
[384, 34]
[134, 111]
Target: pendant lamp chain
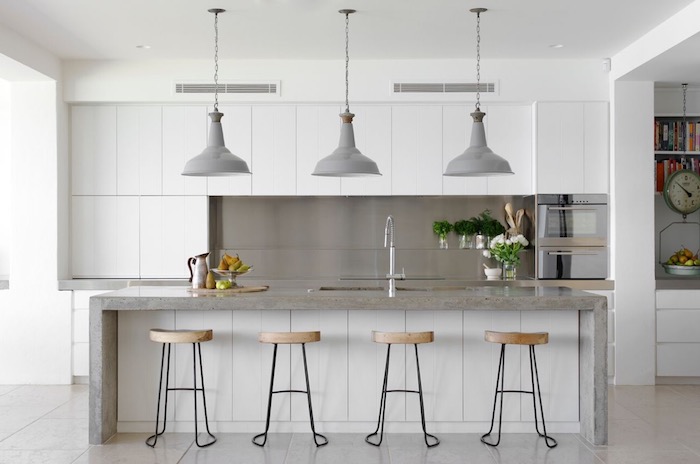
[347, 61]
[478, 59]
[216, 61]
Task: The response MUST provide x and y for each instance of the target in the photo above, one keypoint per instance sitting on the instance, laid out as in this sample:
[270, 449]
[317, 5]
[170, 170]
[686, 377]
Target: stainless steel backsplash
[343, 237]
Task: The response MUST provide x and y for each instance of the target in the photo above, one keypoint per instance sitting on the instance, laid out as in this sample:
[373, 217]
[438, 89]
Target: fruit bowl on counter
[682, 262]
[221, 274]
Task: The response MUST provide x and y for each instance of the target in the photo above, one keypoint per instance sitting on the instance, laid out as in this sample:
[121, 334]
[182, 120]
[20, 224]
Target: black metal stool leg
[535, 377]
[499, 376]
[422, 408]
[155, 436]
[204, 397]
[269, 401]
[382, 404]
[308, 397]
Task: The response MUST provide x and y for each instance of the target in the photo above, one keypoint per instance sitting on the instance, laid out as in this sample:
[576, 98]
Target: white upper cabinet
[509, 135]
[572, 147]
[456, 132]
[184, 137]
[172, 229]
[139, 150]
[318, 133]
[372, 126]
[94, 150]
[105, 236]
[237, 127]
[416, 145]
[274, 150]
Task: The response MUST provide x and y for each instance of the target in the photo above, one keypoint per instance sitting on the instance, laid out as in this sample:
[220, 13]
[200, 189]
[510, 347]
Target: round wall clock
[682, 191]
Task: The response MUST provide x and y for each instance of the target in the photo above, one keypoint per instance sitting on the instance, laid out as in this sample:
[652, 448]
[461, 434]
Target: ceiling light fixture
[478, 160]
[346, 160]
[216, 159]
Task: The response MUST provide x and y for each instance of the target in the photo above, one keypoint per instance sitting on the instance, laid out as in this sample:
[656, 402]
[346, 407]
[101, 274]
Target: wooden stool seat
[402, 338]
[286, 338]
[517, 338]
[180, 336]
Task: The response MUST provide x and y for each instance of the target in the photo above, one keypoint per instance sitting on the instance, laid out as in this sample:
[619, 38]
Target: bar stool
[401, 338]
[167, 338]
[518, 338]
[286, 338]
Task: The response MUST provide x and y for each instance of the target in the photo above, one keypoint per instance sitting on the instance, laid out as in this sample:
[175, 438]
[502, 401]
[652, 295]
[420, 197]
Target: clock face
[682, 191]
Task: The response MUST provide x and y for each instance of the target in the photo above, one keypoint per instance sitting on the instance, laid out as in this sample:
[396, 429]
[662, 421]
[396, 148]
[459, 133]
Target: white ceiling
[313, 29]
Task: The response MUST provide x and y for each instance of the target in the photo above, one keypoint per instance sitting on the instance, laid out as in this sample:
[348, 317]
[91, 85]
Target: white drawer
[678, 325]
[678, 299]
[678, 359]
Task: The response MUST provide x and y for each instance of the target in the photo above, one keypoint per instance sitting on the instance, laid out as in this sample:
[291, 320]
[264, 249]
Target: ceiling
[313, 29]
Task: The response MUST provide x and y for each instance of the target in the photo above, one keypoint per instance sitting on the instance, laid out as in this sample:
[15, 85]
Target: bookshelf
[676, 146]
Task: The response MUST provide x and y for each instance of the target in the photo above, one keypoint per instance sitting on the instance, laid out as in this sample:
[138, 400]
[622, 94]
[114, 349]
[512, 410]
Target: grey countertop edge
[116, 284]
[675, 283]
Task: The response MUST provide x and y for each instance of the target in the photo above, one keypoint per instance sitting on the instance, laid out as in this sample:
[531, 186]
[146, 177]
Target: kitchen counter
[4, 282]
[592, 329]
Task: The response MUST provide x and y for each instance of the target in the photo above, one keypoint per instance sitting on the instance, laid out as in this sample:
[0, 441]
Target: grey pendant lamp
[478, 160]
[346, 160]
[216, 159]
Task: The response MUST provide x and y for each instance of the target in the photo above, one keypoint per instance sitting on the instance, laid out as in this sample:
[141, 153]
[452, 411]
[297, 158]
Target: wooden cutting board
[229, 290]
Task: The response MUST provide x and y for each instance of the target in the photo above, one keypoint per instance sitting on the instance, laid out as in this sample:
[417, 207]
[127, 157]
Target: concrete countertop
[471, 298]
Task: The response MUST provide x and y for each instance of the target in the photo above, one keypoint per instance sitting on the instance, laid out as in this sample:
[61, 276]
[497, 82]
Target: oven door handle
[570, 208]
[573, 253]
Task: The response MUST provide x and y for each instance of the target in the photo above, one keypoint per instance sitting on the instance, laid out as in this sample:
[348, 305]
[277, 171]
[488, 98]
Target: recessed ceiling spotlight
[144, 47]
[556, 46]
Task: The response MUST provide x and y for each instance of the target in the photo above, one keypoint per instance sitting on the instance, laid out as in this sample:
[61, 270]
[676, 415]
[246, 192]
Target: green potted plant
[442, 228]
[491, 227]
[466, 229]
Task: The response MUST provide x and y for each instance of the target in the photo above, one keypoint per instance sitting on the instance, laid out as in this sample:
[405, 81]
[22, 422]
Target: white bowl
[493, 273]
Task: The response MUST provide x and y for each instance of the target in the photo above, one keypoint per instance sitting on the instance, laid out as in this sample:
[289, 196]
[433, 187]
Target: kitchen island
[346, 362]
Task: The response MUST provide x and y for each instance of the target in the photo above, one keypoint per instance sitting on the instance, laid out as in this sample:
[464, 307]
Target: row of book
[667, 167]
[669, 135]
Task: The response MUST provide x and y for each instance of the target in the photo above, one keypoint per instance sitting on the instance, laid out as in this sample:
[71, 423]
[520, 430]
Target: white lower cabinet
[172, 229]
[105, 236]
[677, 335]
[346, 368]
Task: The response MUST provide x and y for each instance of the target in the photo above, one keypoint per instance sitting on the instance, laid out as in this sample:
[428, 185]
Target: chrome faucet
[389, 241]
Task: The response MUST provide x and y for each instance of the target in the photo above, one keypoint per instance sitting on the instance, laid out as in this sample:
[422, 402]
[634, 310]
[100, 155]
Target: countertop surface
[434, 298]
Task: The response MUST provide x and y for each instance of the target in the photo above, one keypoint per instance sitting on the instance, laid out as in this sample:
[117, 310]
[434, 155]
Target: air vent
[443, 87]
[228, 87]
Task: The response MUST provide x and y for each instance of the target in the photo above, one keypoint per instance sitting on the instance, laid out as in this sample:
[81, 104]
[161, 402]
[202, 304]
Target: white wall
[632, 199]
[323, 81]
[34, 315]
[5, 193]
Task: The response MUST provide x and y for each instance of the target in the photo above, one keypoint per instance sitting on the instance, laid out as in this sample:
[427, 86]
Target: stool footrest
[403, 391]
[289, 391]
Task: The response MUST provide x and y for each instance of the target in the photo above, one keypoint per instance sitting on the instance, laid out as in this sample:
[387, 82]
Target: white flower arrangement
[506, 249]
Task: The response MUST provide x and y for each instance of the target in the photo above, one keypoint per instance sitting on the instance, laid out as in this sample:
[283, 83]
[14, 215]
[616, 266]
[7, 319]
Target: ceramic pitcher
[198, 275]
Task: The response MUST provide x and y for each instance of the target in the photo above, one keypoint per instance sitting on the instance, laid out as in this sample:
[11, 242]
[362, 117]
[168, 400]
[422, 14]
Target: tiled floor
[48, 424]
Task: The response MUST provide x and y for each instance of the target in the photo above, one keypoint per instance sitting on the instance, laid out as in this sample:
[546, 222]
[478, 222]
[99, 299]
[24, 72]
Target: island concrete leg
[593, 375]
[103, 374]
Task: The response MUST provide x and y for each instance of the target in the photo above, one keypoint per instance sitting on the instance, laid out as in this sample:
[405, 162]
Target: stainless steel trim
[572, 253]
[572, 242]
[570, 208]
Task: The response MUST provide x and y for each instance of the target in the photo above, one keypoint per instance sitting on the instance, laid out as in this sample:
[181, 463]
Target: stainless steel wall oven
[572, 236]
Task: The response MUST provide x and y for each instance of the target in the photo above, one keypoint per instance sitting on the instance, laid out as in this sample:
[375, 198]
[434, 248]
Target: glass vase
[465, 241]
[509, 271]
[480, 242]
[442, 242]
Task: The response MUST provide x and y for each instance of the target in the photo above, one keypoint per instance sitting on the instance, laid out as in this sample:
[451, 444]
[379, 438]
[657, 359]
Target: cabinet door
[456, 132]
[94, 150]
[184, 137]
[372, 126]
[328, 366]
[560, 148]
[596, 153]
[510, 136]
[237, 127]
[172, 229]
[105, 236]
[139, 150]
[416, 150]
[274, 150]
[318, 132]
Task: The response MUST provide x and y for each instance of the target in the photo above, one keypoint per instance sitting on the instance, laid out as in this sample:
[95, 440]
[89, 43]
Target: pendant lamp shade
[478, 160]
[216, 159]
[346, 160]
